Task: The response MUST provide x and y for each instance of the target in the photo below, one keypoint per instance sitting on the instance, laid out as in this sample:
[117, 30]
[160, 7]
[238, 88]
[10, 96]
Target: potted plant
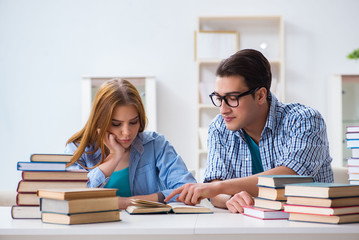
[354, 55]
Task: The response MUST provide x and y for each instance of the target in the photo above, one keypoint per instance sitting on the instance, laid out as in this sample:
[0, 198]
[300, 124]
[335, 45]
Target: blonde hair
[113, 93]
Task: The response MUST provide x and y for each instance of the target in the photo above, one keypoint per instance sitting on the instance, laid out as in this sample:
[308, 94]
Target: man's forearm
[220, 200]
[249, 184]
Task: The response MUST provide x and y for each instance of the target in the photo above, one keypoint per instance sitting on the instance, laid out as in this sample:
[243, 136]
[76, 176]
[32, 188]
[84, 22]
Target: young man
[255, 134]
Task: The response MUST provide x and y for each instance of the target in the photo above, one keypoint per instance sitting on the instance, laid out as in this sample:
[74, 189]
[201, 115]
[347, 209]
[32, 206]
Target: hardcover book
[281, 180]
[44, 157]
[271, 193]
[264, 214]
[352, 143]
[321, 210]
[46, 175]
[144, 207]
[33, 186]
[26, 212]
[322, 190]
[323, 202]
[27, 199]
[355, 152]
[352, 129]
[352, 135]
[268, 204]
[353, 162]
[79, 218]
[79, 205]
[78, 193]
[41, 166]
[303, 217]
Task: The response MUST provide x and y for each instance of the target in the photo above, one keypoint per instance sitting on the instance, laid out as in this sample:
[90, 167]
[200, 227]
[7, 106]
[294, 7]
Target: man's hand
[236, 203]
[193, 193]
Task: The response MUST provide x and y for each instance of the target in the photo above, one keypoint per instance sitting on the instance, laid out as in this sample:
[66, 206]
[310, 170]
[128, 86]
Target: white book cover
[352, 128]
[352, 143]
[355, 152]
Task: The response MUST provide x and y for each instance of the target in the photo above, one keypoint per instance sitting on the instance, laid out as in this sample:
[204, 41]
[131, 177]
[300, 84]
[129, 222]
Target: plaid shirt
[294, 136]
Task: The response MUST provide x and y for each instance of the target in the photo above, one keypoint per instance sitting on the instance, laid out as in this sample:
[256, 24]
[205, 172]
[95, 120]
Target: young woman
[119, 154]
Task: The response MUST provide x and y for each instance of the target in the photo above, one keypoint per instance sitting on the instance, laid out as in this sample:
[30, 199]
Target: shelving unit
[343, 111]
[146, 86]
[219, 37]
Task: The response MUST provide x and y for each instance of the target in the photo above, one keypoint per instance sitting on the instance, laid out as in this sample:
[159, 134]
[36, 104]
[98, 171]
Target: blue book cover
[41, 166]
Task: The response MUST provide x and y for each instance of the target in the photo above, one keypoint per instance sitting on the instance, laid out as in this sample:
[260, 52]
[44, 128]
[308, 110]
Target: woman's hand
[123, 202]
[116, 154]
[115, 147]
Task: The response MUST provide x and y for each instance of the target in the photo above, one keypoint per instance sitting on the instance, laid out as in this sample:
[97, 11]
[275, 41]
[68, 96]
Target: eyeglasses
[230, 99]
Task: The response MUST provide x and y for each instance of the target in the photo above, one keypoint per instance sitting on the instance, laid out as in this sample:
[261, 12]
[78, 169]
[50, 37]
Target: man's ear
[262, 95]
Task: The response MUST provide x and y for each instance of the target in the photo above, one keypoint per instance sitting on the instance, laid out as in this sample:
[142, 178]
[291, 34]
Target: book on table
[264, 214]
[353, 176]
[80, 218]
[41, 166]
[351, 129]
[353, 162]
[323, 202]
[26, 212]
[352, 135]
[33, 186]
[355, 152]
[335, 219]
[79, 205]
[352, 143]
[272, 193]
[55, 175]
[76, 193]
[27, 199]
[281, 180]
[353, 169]
[269, 204]
[144, 207]
[49, 157]
[322, 190]
[321, 210]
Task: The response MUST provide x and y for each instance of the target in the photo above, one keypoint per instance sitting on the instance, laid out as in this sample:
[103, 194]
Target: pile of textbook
[41, 172]
[270, 201]
[352, 137]
[322, 202]
[78, 206]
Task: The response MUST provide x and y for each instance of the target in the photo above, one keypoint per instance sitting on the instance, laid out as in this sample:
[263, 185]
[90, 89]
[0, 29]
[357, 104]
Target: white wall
[47, 46]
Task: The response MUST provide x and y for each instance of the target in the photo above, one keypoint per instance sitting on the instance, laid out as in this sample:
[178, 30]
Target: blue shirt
[255, 154]
[294, 136]
[120, 180]
[154, 166]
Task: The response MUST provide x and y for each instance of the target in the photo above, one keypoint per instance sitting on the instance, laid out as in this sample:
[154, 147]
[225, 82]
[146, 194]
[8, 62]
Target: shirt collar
[271, 119]
[140, 140]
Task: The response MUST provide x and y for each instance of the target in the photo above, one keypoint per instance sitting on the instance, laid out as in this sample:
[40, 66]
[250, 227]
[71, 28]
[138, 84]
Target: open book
[144, 206]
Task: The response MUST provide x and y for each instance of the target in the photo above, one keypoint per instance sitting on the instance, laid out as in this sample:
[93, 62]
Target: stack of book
[270, 200]
[352, 137]
[43, 171]
[322, 202]
[78, 206]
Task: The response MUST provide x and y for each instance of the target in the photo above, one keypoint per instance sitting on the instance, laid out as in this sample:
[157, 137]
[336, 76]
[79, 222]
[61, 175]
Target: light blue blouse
[154, 166]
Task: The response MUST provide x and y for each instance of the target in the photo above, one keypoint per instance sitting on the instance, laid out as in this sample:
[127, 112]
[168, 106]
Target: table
[220, 225]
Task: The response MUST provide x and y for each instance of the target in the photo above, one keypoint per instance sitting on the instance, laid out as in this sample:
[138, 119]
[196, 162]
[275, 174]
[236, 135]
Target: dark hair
[251, 65]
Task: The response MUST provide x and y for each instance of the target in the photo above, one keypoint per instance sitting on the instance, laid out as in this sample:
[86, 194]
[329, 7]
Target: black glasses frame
[237, 96]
